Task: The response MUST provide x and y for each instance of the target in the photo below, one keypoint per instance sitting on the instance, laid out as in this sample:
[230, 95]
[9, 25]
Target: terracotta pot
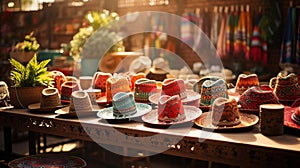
[21, 97]
[22, 57]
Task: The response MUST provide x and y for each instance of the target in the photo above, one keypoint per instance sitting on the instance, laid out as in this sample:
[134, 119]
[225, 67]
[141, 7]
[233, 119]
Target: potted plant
[23, 51]
[97, 33]
[28, 81]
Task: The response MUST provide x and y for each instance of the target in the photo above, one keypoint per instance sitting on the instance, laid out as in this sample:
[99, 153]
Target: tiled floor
[97, 157]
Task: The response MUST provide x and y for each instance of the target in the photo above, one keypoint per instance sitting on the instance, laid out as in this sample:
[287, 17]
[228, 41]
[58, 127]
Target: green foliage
[29, 44]
[97, 20]
[34, 74]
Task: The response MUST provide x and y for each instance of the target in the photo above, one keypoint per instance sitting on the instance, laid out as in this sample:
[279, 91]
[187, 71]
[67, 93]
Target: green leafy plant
[31, 75]
[29, 44]
[97, 20]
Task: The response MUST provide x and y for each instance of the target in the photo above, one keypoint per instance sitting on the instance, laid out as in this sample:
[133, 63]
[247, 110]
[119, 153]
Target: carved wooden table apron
[239, 148]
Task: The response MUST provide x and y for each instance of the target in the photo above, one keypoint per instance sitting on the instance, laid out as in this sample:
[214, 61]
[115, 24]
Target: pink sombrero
[171, 87]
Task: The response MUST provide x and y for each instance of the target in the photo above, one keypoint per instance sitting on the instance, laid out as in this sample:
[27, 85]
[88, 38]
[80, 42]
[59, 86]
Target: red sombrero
[289, 121]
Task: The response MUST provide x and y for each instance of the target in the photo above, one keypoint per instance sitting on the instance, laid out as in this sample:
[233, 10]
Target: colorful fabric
[297, 59]
[221, 43]
[239, 34]
[247, 43]
[201, 37]
[256, 43]
[186, 28]
[215, 27]
[229, 32]
[198, 34]
[287, 42]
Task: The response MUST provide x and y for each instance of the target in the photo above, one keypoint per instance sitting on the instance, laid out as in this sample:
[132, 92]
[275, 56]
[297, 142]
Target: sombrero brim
[65, 113]
[36, 108]
[289, 121]
[247, 120]
[192, 98]
[191, 113]
[107, 113]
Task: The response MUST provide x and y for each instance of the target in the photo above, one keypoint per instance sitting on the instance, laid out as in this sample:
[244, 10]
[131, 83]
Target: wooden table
[246, 148]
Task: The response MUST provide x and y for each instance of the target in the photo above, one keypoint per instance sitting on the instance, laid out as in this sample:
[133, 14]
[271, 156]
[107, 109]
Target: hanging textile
[249, 25]
[239, 34]
[215, 26]
[297, 59]
[186, 28]
[256, 44]
[243, 34]
[221, 43]
[287, 51]
[231, 31]
[198, 34]
[201, 40]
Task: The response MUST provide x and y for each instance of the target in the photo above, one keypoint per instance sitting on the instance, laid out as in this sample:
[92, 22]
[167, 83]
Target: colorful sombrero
[173, 87]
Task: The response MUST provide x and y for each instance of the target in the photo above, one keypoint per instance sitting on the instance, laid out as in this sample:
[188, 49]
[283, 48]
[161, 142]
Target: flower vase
[22, 57]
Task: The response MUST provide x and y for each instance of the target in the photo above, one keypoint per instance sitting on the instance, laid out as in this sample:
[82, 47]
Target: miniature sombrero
[140, 64]
[159, 69]
[173, 87]
[255, 96]
[115, 84]
[210, 90]
[243, 83]
[124, 107]
[134, 77]
[99, 80]
[50, 101]
[171, 111]
[226, 115]
[143, 89]
[66, 90]
[286, 86]
[80, 106]
[292, 116]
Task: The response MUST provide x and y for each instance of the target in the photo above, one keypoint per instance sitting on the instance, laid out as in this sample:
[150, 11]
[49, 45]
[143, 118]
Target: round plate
[35, 108]
[47, 160]
[192, 96]
[191, 113]
[247, 120]
[107, 113]
[64, 113]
